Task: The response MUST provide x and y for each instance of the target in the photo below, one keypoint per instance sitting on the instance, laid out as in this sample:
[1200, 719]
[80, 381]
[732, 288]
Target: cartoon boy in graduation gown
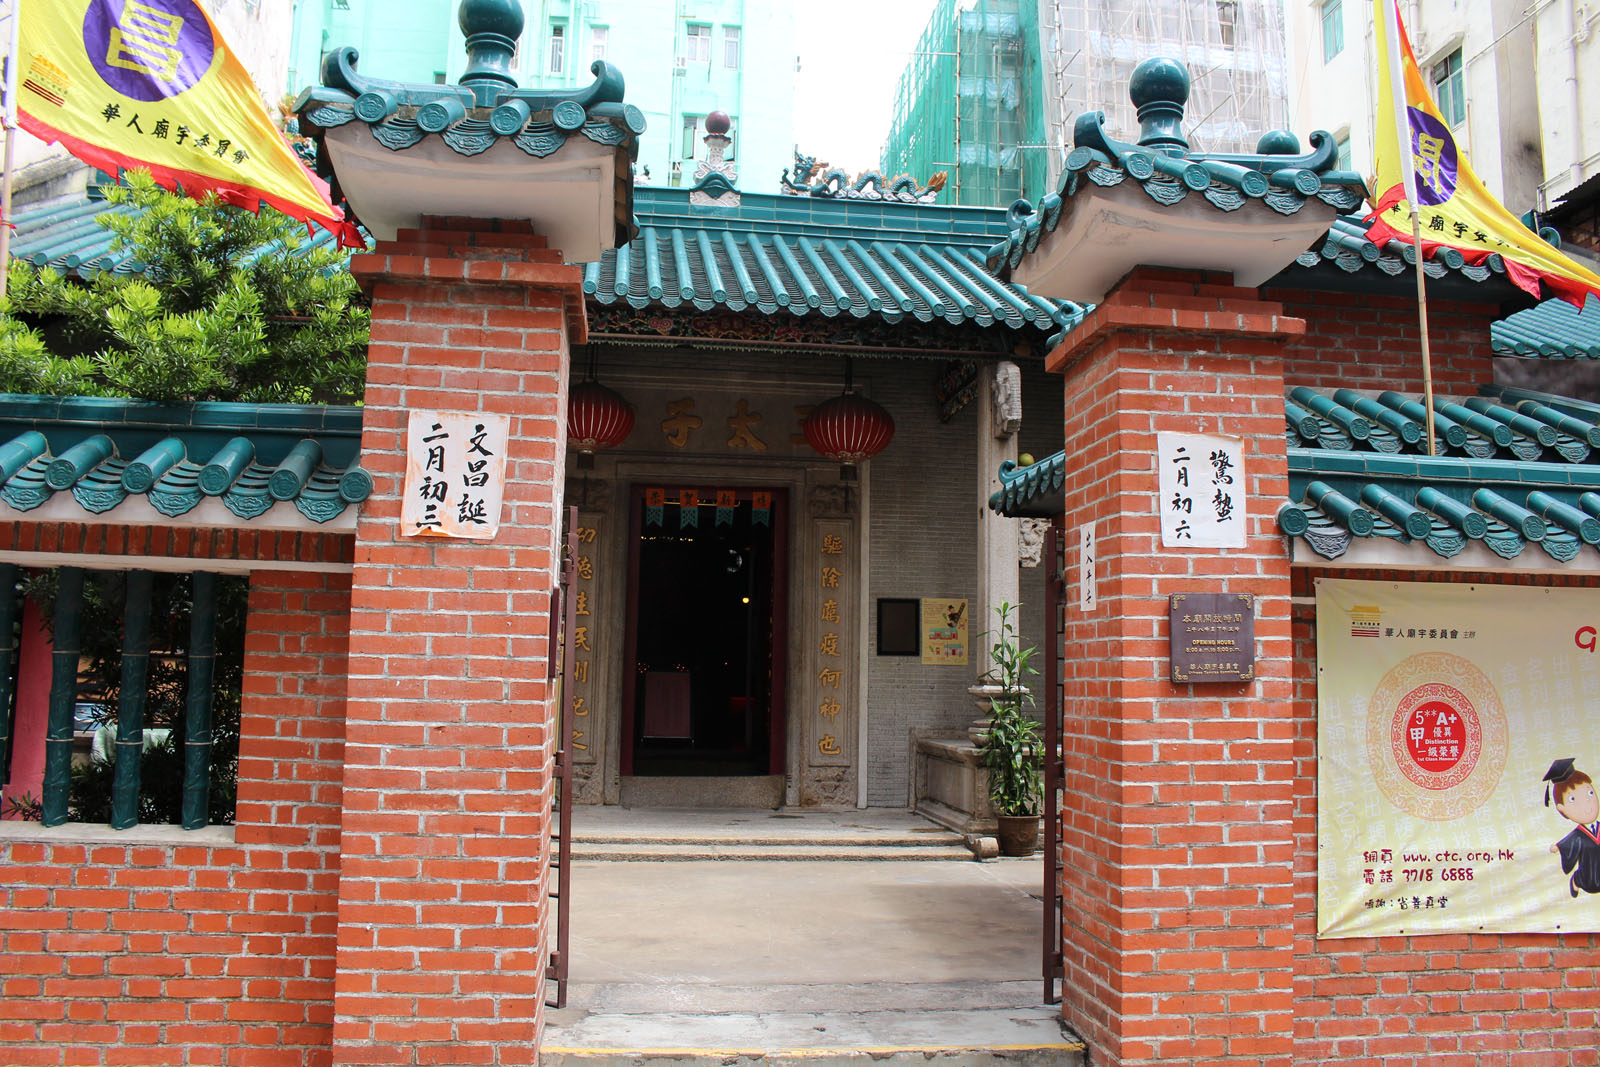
[1575, 799]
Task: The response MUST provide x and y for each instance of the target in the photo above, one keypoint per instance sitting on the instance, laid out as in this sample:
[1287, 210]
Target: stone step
[683, 851]
[626, 1025]
[933, 835]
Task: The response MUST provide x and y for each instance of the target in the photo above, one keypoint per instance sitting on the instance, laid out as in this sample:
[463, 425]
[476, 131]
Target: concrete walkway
[803, 960]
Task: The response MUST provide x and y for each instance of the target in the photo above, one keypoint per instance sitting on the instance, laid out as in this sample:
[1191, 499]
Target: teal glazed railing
[63, 695]
[132, 697]
[9, 604]
[198, 736]
[131, 700]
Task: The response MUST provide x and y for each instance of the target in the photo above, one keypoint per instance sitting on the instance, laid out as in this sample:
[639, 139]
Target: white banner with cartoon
[1458, 739]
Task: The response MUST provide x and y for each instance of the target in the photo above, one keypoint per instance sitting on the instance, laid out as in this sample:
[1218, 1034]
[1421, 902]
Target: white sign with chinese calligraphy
[1202, 490]
[455, 474]
[1087, 593]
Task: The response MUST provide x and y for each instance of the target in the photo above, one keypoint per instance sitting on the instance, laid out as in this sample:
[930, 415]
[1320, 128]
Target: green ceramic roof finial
[1278, 143]
[1159, 88]
[492, 28]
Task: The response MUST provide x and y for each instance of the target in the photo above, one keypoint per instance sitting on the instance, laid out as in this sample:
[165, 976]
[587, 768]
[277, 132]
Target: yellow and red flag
[1427, 168]
[152, 84]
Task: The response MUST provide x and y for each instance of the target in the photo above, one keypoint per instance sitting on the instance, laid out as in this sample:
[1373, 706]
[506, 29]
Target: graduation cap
[1559, 772]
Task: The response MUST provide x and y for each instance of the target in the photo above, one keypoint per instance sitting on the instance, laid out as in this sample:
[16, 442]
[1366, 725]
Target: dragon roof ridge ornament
[868, 185]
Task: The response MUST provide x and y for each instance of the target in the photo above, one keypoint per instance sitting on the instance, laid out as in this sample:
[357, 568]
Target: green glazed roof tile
[87, 447]
[1435, 505]
[1278, 174]
[1553, 329]
[887, 261]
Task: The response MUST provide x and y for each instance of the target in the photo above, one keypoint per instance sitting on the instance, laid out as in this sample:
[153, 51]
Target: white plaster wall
[1567, 66]
[1525, 123]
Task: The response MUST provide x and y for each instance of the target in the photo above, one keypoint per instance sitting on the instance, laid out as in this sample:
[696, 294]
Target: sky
[849, 70]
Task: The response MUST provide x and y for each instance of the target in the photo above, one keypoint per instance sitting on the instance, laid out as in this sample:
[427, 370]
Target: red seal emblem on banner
[1436, 736]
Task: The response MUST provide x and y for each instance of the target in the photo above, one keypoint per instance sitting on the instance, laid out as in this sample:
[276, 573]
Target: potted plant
[1013, 750]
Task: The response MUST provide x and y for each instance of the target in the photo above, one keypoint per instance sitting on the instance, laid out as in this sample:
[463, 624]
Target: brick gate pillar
[1178, 849]
[449, 745]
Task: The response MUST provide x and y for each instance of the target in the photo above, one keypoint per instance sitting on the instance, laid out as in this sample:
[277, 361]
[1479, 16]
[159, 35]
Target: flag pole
[10, 120]
[1422, 322]
[1408, 173]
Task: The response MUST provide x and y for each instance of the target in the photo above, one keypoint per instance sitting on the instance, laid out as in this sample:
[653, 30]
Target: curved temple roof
[1278, 175]
[127, 461]
[804, 256]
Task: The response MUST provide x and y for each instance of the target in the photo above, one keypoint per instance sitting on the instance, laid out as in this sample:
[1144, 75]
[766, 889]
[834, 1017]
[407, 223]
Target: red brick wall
[1361, 341]
[305, 546]
[1177, 838]
[442, 907]
[133, 949]
[1427, 1001]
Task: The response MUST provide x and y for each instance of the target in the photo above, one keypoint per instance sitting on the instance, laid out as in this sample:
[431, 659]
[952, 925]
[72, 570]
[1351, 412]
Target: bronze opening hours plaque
[1213, 637]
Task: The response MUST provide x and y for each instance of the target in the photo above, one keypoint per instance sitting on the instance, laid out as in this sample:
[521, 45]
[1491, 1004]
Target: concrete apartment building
[682, 62]
[1508, 75]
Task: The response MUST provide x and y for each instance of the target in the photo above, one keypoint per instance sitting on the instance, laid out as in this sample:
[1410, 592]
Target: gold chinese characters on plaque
[831, 652]
[585, 538]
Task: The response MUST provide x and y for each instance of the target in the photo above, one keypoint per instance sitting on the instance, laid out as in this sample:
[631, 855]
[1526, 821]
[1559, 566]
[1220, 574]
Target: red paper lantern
[597, 418]
[849, 429]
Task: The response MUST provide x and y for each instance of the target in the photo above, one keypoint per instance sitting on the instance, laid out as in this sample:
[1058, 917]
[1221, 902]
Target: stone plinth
[950, 784]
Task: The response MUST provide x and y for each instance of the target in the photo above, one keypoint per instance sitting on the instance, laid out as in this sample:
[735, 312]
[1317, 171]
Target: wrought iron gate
[1055, 558]
[562, 628]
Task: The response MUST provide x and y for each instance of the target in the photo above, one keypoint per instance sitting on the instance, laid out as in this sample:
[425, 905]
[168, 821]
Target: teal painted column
[131, 701]
[8, 659]
[197, 735]
[63, 695]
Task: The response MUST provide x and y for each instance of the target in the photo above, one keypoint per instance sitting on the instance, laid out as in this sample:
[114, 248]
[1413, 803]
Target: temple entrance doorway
[703, 669]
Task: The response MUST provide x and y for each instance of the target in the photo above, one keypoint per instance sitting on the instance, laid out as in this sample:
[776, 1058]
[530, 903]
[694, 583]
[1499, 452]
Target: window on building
[1343, 147]
[691, 127]
[1449, 88]
[730, 47]
[597, 42]
[1228, 21]
[438, 77]
[558, 49]
[697, 48]
[1332, 29]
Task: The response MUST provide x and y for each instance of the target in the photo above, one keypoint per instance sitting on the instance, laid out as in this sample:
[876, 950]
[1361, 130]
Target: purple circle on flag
[148, 49]
[1433, 156]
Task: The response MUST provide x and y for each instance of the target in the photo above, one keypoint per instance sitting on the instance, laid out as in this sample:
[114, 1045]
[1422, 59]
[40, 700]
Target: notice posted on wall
[1458, 744]
[455, 474]
[944, 630]
[1201, 486]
